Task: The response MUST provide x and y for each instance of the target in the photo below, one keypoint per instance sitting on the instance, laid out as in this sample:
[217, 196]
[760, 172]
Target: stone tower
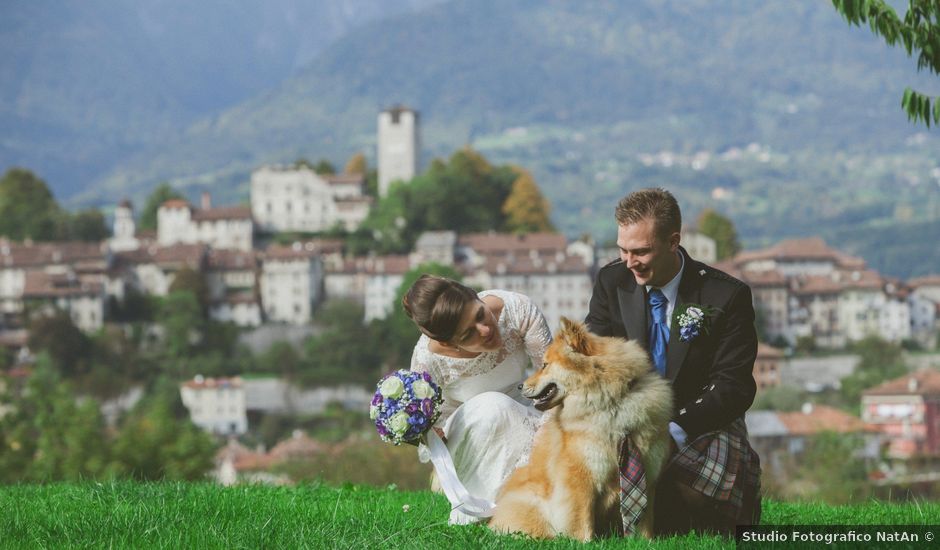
[124, 228]
[399, 146]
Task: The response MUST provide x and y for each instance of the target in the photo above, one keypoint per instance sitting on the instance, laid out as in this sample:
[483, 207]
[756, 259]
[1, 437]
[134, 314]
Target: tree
[67, 346]
[720, 228]
[918, 32]
[163, 193]
[27, 207]
[324, 167]
[779, 398]
[832, 466]
[283, 359]
[190, 280]
[526, 209]
[342, 352]
[464, 194]
[50, 436]
[357, 164]
[85, 225]
[157, 442]
[879, 360]
[183, 324]
[135, 306]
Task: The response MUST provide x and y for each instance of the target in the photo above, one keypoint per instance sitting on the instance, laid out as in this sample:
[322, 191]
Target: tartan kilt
[719, 465]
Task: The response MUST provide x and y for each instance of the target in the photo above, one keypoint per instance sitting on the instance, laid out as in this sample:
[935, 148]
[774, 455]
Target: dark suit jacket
[712, 375]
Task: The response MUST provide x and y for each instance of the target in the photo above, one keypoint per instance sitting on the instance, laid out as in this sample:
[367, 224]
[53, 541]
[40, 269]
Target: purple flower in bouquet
[405, 406]
[427, 407]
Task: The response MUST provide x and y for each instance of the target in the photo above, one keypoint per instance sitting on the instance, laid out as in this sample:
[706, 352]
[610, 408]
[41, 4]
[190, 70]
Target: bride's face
[477, 331]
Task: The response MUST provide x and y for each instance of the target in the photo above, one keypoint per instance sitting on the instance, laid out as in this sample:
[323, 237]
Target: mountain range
[776, 113]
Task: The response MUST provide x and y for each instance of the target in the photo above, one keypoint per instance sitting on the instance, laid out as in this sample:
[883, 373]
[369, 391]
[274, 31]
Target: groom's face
[651, 258]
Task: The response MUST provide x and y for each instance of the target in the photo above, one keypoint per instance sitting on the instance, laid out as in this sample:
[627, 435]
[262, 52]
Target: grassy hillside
[164, 515]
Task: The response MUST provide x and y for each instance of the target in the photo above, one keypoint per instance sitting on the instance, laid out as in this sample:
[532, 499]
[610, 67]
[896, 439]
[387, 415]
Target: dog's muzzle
[544, 397]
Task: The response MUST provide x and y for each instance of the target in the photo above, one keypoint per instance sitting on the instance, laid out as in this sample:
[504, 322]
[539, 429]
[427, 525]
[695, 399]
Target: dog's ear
[576, 336]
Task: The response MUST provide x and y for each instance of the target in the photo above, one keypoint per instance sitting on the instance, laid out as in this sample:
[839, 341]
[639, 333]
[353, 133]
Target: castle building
[124, 229]
[226, 227]
[299, 199]
[399, 146]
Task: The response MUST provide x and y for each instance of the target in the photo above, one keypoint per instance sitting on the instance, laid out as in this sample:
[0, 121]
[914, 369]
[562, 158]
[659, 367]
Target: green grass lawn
[181, 515]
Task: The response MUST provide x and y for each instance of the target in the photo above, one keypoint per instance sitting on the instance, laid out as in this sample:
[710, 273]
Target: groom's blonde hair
[436, 305]
[651, 204]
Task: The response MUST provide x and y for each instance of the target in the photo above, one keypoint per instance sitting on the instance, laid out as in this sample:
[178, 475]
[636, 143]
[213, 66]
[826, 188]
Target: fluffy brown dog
[599, 389]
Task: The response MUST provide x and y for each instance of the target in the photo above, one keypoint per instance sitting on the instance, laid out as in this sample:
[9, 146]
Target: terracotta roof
[296, 251]
[812, 248]
[14, 338]
[169, 256]
[222, 213]
[350, 202]
[821, 418]
[242, 457]
[339, 179]
[220, 259]
[503, 243]
[373, 265]
[837, 282]
[760, 278]
[399, 108]
[244, 297]
[927, 280]
[816, 284]
[175, 203]
[299, 445]
[922, 382]
[767, 351]
[56, 253]
[849, 262]
[867, 279]
[172, 256]
[39, 284]
[525, 265]
[200, 383]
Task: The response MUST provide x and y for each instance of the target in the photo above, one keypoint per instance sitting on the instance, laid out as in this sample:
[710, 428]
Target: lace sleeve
[423, 361]
[533, 328]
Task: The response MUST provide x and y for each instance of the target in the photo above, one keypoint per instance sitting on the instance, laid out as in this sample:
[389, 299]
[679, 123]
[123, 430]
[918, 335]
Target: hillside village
[806, 294]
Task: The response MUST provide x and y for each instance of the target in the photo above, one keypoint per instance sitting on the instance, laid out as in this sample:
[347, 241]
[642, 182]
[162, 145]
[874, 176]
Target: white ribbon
[458, 495]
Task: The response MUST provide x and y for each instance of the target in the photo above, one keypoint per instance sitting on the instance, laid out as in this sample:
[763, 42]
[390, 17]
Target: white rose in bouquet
[392, 387]
[399, 423]
[422, 389]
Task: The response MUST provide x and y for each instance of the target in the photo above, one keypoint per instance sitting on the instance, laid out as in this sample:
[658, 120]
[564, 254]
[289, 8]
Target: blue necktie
[659, 331]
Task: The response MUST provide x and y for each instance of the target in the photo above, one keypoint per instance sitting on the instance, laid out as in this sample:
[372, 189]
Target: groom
[712, 483]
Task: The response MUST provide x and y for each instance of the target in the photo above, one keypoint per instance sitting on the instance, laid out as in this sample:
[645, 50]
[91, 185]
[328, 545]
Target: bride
[477, 347]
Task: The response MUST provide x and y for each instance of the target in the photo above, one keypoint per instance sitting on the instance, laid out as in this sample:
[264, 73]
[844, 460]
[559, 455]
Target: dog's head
[578, 363]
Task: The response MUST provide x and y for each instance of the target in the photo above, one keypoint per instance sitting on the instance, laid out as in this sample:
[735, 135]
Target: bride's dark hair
[436, 304]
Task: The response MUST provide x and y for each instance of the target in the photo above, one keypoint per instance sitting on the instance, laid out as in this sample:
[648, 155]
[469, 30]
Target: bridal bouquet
[405, 406]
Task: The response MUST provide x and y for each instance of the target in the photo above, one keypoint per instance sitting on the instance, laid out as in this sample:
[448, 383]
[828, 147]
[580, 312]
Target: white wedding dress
[489, 426]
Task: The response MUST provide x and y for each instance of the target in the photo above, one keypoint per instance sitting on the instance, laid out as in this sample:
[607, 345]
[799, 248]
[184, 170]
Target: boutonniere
[690, 320]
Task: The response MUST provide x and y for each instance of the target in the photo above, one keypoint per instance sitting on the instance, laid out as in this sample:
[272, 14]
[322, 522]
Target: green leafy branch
[919, 32]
